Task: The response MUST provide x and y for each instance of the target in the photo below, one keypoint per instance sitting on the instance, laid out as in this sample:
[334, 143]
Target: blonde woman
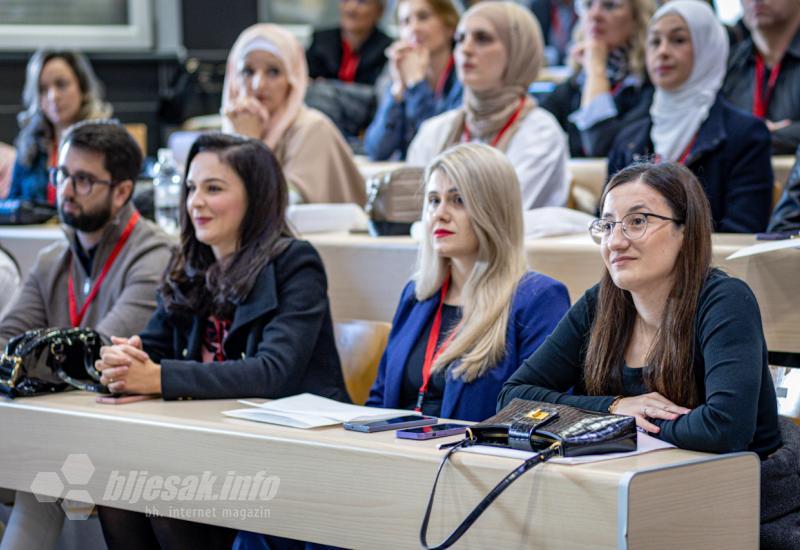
[472, 312]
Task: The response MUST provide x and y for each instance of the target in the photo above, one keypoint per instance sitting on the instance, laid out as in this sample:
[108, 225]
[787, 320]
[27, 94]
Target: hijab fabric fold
[282, 44]
[678, 115]
[485, 113]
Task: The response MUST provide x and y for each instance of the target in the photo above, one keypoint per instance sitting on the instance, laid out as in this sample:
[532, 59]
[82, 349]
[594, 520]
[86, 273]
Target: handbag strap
[459, 531]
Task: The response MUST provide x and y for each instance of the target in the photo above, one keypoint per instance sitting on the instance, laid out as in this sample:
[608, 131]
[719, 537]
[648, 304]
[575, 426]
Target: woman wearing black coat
[243, 312]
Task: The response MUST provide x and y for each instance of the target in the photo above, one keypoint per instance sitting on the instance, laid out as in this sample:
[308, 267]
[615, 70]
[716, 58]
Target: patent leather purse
[51, 360]
[544, 428]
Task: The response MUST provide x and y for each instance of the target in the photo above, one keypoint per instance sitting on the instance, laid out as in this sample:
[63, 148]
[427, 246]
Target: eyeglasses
[634, 226]
[583, 6]
[82, 183]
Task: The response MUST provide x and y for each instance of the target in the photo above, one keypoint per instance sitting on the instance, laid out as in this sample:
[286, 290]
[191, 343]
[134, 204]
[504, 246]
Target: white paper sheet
[763, 248]
[310, 411]
[644, 444]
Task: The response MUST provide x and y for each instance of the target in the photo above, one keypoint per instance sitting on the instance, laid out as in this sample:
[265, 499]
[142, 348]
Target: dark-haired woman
[663, 337]
[671, 341]
[241, 302]
[60, 90]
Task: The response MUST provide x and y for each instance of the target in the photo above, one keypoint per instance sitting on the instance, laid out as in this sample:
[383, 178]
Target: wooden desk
[366, 275]
[369, 490]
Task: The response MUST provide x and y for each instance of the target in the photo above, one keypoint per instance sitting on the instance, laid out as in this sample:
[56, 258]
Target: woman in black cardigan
[243, 312]
[671, 341]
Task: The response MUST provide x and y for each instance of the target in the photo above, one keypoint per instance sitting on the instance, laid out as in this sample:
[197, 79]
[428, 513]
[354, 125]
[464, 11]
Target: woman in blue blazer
[472, 313]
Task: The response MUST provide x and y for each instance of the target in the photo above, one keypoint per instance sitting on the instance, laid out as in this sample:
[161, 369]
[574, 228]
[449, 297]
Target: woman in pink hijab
[265, 83]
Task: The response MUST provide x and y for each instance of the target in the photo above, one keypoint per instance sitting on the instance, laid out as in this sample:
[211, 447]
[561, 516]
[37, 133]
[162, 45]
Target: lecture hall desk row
[360, 490]
[366, 275]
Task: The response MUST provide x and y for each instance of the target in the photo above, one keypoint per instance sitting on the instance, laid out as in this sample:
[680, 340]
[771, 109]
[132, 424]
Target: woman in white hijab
[690, 123]
[498, 53]
[265, 82]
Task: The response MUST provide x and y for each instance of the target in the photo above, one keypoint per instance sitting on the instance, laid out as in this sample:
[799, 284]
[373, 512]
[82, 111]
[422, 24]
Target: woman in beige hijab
[265, 83]
[498, 54]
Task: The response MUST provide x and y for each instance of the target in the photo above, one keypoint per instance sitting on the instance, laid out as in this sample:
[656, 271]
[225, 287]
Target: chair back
[787, 389]
[360, 344]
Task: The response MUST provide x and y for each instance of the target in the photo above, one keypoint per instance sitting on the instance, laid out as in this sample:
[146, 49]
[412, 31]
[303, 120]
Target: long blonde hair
[642, 11]
[489, 187]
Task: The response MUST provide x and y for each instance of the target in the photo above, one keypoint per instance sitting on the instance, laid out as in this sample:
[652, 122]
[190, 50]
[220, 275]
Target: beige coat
[317, 162]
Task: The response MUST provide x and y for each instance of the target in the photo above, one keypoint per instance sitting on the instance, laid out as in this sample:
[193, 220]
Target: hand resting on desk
[126, 367]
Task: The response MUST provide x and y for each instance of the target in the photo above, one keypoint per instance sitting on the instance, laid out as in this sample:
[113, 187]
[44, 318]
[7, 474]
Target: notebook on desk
[309, 411]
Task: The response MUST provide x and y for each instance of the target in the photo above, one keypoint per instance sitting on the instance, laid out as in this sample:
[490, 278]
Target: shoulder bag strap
[459, 531]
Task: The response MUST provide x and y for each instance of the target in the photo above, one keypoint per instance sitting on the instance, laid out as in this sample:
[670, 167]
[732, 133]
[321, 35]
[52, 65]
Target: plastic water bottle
[167, 191]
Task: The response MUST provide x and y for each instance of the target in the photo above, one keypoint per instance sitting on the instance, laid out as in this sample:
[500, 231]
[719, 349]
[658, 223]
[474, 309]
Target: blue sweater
[538, 305]
[396, 122]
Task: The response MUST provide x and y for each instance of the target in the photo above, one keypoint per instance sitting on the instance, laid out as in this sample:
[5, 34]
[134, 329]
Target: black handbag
[545, 428]
[51, 360]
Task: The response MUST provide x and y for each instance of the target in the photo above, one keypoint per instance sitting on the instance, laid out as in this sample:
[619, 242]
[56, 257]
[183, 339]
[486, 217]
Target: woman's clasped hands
[127, 368]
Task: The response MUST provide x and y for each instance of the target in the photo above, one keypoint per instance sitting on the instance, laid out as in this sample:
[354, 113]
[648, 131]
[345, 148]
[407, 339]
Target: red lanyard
[762, 97]
[443, 78]
[684, 155]
[431, 353]
[514, 116]
[76, 317]
[349, 63]
[51, 186]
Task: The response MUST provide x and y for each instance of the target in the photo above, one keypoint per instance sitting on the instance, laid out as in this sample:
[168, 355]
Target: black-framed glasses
[82, 182]
[634, 226]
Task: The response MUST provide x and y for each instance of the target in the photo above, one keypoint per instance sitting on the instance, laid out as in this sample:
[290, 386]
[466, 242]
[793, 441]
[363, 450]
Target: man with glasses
[104, 275]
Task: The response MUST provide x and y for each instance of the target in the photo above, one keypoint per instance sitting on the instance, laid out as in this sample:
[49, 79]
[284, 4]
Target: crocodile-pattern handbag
[51, 360]
[544, 428]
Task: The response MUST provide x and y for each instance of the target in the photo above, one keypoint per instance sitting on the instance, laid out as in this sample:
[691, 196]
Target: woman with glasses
[60, 90]
[690, 123]
[498, 54]
[608, 88]
[423, 77]
[671, 341]
[663, 337]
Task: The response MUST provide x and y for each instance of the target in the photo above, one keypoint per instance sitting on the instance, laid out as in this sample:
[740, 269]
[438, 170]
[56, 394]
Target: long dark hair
[670, 361]
[36, 131]
[197, 283]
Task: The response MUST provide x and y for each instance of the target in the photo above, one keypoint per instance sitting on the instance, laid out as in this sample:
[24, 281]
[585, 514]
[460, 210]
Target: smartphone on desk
[396, 423]
[432, 432]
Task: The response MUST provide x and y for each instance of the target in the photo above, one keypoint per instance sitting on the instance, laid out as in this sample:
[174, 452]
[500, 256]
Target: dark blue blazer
[280, 343]
[731, 158]
[538, 305]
